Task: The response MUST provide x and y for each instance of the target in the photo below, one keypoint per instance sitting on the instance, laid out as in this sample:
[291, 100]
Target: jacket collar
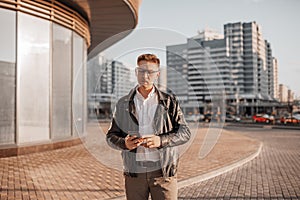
[161, 95]
[162, 101]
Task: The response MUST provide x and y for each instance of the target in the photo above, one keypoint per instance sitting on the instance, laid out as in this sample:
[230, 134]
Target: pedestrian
[147, 126]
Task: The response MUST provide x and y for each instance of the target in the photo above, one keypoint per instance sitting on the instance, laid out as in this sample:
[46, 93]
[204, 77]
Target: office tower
[177, 71]
[192, 75]
[207, 68]
[99, 75]
[120, 81]
[107, 82]
[283, 93]
[290, 96]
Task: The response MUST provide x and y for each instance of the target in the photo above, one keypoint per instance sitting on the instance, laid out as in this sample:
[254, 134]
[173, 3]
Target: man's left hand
[151, 142]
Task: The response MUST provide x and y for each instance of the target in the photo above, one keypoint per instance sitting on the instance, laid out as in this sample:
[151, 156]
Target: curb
[266, 126]
[219, 171]
[248, 125]
[286, 127]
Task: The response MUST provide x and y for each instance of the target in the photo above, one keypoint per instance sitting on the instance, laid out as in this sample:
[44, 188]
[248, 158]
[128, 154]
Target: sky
[277, 18]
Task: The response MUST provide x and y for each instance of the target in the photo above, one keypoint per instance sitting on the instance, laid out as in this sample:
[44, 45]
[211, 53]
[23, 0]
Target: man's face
[147, 73]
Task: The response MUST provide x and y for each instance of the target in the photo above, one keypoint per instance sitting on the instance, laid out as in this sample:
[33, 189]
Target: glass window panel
[85, 86]
[7, 76]
[33, 78]
[78, 113]
[61, 91]
[8, 35]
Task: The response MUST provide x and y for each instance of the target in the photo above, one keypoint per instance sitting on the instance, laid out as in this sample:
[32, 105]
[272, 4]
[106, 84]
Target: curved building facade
[43, 54]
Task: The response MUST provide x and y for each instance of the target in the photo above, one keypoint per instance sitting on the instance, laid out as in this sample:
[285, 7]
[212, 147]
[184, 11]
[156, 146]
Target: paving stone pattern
[73, 173]
[274, 174]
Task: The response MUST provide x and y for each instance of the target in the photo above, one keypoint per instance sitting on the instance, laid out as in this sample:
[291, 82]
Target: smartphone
[135, 133]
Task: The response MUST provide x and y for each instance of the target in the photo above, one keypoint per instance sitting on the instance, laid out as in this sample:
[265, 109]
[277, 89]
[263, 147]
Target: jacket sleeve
[180, 133]
[115, 137]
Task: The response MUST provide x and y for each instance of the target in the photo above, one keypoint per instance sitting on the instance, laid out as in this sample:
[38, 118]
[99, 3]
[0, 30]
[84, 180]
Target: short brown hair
[148, 57]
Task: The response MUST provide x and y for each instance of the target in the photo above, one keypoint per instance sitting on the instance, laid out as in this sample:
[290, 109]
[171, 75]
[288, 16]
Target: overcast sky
[279, 20]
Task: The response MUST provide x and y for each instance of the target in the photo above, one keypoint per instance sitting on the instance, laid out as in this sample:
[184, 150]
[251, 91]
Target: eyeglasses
[140, 71]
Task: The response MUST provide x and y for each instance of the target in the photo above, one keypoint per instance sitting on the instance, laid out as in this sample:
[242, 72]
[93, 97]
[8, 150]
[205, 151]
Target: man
[147, 126]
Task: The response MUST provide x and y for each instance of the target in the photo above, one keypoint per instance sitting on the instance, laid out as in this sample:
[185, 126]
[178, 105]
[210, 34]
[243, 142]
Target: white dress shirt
[145, 109]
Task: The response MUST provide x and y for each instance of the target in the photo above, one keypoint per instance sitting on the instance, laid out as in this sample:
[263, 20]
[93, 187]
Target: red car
[263, 118]
[289, 120]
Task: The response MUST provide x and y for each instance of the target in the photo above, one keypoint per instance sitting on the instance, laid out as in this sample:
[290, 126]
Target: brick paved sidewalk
[273, 174]
[73, 173]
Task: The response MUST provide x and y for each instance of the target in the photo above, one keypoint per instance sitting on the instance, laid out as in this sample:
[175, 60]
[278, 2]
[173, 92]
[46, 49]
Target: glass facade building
[43, 71]
[42, 75]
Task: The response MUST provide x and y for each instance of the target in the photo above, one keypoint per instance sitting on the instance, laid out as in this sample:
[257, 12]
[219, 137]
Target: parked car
[290, 120]
[194, 117]
[263, 118]
[232, 118]
[207, 117]
[296, 115]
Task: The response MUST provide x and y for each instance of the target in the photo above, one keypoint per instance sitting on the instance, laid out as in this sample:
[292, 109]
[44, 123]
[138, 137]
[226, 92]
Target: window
[7, 76]
[33, 78]
[61, 82]
[78, 85]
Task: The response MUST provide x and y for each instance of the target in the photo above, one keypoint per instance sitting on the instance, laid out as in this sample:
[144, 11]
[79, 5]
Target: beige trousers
[138, 188]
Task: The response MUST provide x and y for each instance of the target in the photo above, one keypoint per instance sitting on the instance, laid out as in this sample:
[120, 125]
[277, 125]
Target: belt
[148, 163]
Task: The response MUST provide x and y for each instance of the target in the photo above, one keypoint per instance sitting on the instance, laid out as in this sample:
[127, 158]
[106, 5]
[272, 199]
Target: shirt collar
[161, 96]
[140, 96]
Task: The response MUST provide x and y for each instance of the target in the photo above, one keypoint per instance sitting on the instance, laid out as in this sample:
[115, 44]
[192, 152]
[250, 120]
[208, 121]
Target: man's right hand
[132, 142]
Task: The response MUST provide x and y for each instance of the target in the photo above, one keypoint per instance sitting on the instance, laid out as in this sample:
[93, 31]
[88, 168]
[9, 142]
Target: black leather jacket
[169, 125]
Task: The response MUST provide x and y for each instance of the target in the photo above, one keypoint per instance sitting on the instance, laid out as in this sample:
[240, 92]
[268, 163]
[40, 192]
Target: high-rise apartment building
[248, 58]
[239, 64]
[275, 88]
[270, 74]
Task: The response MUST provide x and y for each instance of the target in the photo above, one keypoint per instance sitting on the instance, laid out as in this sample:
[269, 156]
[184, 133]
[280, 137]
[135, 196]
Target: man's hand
[132, 142]
[151, 142]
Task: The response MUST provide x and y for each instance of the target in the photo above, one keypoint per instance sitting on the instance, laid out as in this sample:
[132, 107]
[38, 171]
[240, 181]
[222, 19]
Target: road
[274, 174]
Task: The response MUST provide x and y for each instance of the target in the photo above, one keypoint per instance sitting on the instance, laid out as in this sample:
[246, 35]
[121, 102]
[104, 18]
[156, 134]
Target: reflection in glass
[61, 91]
[7, 76]
[85, 87]
[33, 78]
[78, 113]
